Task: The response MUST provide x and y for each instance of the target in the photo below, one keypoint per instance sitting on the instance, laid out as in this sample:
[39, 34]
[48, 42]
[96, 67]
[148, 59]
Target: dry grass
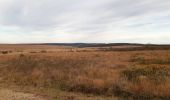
[13, 95]
[148, 82]
[128, 75]
[68, 71]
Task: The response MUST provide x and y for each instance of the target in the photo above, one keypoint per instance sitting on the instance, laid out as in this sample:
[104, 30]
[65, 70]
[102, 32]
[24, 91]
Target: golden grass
[100, 73]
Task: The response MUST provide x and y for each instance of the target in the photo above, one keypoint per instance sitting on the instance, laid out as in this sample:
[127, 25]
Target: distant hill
[82, 45]
[114, 46]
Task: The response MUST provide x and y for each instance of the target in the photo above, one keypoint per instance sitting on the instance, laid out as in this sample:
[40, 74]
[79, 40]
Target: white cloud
[84, 21]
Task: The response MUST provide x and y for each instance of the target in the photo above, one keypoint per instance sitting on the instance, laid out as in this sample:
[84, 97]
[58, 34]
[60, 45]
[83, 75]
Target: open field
[87, 73]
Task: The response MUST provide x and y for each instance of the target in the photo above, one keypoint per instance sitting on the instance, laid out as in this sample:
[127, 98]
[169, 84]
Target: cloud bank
[35, 21]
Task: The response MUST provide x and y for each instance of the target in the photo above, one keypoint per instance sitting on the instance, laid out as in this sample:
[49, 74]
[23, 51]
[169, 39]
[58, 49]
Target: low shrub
[4, 52]
[148, 82]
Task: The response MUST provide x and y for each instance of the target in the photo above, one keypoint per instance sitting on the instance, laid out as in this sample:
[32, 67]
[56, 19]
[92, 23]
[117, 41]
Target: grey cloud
[84, 16]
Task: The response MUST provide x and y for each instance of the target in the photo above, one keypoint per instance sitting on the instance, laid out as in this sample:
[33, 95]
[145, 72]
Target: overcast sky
[44, 21]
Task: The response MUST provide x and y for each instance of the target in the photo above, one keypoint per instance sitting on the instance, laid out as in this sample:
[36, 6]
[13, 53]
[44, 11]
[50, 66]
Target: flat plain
[52, 72]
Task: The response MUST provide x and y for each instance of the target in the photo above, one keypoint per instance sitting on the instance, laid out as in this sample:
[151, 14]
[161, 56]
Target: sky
[85, 21]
